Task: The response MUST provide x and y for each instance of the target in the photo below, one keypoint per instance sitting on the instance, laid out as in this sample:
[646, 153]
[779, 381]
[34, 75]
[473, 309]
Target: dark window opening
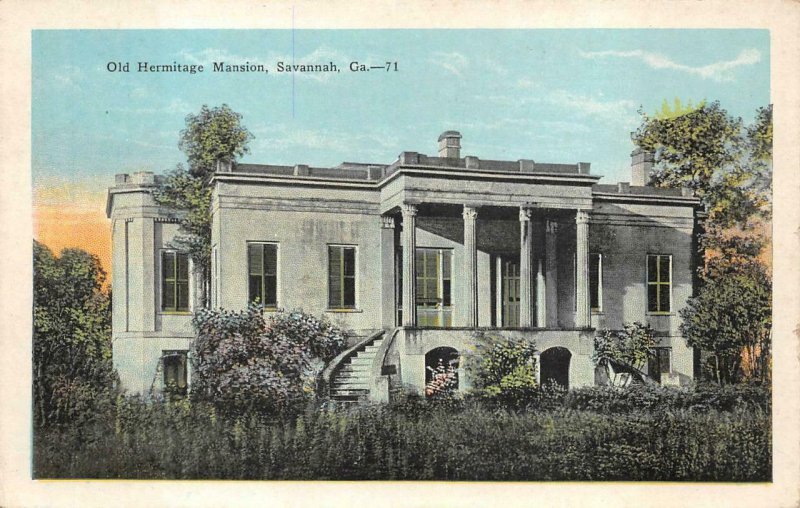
[341, 277]
[262, 260]
[174, 281]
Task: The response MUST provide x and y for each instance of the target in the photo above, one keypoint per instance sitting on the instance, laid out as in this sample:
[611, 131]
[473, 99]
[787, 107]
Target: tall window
[341, 277]
[433, 279]
[174, 281]
[262, 261]
[174, 366]
[659, 282]
[596, 282]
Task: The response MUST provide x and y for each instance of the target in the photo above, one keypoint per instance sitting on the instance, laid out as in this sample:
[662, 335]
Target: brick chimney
[641, 167]
[450, 145]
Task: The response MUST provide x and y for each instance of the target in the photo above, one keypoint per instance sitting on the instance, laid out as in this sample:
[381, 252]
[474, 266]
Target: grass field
[595, 434]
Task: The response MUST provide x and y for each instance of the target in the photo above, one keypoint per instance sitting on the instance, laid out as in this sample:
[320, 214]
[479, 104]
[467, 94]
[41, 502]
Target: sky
[560, 96]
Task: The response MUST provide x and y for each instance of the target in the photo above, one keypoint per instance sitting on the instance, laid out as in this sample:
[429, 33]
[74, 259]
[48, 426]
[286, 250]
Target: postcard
[300, 257]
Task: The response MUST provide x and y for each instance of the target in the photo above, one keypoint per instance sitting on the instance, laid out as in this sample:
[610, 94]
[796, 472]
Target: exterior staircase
[352, 377]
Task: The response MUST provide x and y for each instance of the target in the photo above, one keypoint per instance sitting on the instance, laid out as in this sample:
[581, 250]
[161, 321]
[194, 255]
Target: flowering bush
[444, 381]
[242, 361]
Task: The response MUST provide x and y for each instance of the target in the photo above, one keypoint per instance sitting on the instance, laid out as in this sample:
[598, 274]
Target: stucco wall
[625, 234]
[140, 330]
[411, 345]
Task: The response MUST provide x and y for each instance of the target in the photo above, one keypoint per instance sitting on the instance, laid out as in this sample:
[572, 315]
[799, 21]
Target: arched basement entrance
[441, 371]
[555, 366]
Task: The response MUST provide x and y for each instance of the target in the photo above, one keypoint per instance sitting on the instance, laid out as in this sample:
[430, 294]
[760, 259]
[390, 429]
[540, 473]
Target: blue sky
[548, 95]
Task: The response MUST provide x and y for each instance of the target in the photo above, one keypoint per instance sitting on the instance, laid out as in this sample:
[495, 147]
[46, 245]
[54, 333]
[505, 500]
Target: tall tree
[71, 335]
[212, 135]
[706, 149]
[729, 165]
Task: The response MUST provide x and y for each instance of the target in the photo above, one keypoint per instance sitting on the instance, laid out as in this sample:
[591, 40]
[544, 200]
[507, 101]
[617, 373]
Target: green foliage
[505, 369]
[706, 150]
[630, 346]
[683, 435]
[730, 314]
[191, 196]
[71, 335]
[211, 135]
[240, 361]
[667, 113]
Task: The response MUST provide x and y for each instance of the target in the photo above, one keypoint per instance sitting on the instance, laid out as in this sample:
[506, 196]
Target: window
[262, 269]
[174, 281]
[659, 282]
[434, 283]
[174, 366]
[596, 282]
[341, 277]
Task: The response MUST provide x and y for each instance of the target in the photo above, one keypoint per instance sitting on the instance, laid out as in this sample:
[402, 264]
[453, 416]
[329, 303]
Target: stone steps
[352, 379]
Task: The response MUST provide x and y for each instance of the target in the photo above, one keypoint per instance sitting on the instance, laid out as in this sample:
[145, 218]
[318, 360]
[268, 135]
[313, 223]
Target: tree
[212, 135]
[731, 318]
[629, 347]
[729, 165]
[71, 335]
[706, 149]
[242, 361]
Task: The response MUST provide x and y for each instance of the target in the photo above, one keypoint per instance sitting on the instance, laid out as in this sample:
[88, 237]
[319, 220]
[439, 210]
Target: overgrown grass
[415, 440]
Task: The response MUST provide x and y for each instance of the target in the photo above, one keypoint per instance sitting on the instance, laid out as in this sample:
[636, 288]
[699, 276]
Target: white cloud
[454, 63]
[273, 139]
[718, 71]
[68, 75]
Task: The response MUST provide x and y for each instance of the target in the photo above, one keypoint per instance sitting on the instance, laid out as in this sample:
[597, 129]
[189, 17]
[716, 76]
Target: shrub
[630, 346]
[242, 361]
[505, 370]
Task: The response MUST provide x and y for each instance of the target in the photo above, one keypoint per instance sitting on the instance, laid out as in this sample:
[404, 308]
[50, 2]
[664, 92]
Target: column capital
[581, 217]
[408, 209]
[469, 213]
[525, 214]
[387, 222]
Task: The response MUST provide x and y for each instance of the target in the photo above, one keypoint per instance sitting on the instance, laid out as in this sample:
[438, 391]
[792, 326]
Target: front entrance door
[510, 292]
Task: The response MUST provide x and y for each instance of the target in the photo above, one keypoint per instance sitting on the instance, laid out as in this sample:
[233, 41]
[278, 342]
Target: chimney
[224, 165]
[641, 167]
[450, 145]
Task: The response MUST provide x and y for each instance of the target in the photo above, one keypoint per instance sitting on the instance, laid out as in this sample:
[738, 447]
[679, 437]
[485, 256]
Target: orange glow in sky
[67, 214]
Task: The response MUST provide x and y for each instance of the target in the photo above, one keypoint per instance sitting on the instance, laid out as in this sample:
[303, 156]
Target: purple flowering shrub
[242, 361]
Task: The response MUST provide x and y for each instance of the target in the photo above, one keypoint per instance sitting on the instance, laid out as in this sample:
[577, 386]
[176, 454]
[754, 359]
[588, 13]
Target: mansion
[421, 260]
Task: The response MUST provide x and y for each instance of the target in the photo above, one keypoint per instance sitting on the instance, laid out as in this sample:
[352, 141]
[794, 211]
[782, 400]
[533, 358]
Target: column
[583, 312]
[525, 268]
[409, 265]
[551, 273]
[541, 304]
[470, 305]
[388, 304]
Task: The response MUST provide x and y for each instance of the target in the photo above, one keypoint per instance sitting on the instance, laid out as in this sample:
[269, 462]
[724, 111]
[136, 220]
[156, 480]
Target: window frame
[342, 307]
[445, 312]
[175, 309]
[276, 305]
[659, 284]
[168, 354]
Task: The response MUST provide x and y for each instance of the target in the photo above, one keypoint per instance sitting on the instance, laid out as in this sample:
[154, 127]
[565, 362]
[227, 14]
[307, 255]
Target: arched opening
[441, 371]
[555, 366]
